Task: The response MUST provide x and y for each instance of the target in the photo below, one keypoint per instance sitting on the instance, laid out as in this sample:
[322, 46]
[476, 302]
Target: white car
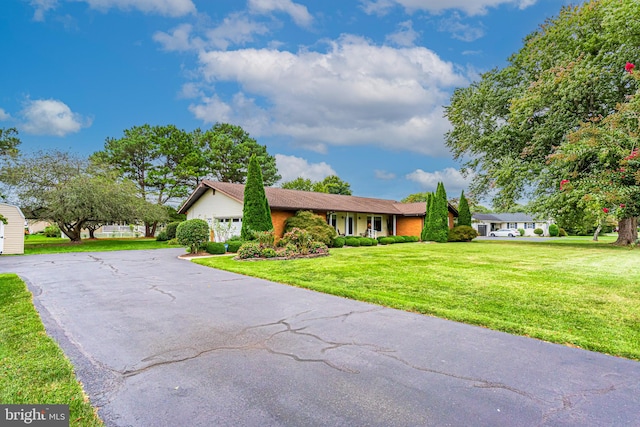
[505, 232]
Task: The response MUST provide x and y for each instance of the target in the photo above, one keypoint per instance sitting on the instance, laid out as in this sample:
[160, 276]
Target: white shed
[12, 233]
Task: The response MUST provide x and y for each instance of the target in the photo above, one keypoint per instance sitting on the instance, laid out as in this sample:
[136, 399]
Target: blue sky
[351, 87]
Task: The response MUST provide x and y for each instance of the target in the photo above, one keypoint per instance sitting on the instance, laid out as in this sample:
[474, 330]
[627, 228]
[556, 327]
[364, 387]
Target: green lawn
[33, 369]
[570, 291]
[37, 244]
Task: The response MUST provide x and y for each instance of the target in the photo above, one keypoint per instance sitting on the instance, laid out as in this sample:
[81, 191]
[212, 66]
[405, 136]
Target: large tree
[331, 184]
[256, 214]
[226, 150]
[9, 142]
[157, 159]
[508, 124]
[60, 187]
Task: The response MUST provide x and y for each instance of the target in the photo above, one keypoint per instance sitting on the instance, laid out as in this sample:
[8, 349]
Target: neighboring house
[220, 204]
[12, 233]
[486, 223]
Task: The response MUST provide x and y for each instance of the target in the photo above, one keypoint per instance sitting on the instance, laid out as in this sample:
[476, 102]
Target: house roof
[504, 217]
[293, 200]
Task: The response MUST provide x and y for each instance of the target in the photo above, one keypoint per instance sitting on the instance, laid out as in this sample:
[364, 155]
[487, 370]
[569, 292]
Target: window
[332, 220]
[529, 225]
[512, 225]
[375, 223]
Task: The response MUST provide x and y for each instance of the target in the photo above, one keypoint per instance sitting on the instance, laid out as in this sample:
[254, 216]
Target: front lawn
[579, 293]
[33, 369]
[37, 244]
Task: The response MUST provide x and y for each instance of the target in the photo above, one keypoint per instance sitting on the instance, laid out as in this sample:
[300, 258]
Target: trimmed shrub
[398, 239]
[193, 233]
[52, 231]
[233, 245]
[553, 230]
[171, 229]
[462, 233]
[562, 232]
[521, 231]
[215, 248]
[352, 241]
[389, 240]
[338, 242]
[365, 241]
[411, 239]
[374, 242]
[249, 250]
[538, 232]
[162, 236]
[313, 224]
[173, 242]
[268, 253]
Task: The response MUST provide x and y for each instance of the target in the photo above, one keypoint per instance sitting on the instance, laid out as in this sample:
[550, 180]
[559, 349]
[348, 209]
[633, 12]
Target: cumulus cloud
[41, 7]
[51, 117]
[405, 36]
[355, 93]
[297, 12]
[470, 7]
[292, 167]
[452, 178]
[460, 30]
[4, 115]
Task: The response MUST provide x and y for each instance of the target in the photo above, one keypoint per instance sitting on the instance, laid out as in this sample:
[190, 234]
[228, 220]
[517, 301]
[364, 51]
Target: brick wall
[409, 225]
[278, 218]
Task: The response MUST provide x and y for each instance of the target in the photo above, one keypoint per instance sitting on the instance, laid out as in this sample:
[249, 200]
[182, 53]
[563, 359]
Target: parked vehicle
[505, 232]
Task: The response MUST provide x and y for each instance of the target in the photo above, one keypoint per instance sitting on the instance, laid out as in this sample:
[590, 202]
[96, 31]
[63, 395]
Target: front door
[348, 226]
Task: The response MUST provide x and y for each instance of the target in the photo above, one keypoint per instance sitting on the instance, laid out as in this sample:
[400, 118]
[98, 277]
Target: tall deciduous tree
[464, 214]
[59, 187]
[331, 184]
[300, 183]
[256, 214]
[568, 72]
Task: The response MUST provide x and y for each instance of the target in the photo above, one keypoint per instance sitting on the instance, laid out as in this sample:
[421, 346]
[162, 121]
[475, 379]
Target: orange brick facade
[412, 225]
[278, 218]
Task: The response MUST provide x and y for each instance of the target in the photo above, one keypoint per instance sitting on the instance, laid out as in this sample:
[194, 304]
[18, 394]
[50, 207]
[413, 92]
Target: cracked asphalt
[159, 341]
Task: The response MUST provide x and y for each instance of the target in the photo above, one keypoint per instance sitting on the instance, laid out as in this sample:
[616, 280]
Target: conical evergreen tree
[256, 214]
[464, 214]
[427, 229]
[440, 215]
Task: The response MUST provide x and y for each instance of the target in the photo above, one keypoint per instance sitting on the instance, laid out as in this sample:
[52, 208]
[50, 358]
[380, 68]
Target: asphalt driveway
[159, 341]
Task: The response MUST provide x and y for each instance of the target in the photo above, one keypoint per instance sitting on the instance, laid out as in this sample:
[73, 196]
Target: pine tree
[256, 214]
[464, 214]
[439, 217]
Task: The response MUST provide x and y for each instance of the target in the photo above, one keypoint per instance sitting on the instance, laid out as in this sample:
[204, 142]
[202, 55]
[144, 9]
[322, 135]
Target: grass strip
[33, 368]
[46, 245]
[581, 293]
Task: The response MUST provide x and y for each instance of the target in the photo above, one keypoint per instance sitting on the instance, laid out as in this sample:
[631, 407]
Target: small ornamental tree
[440, 215]
[193, 233]
[464, 214]
[256, 214]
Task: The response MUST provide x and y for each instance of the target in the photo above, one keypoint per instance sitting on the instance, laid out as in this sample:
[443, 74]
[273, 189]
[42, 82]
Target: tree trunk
[597, 232]
[627, 231]
[92, 232]
[148, 226]
[72, 232]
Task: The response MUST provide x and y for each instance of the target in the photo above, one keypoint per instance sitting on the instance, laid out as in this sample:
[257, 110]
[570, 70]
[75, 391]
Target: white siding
[14, 230]
[216, 205]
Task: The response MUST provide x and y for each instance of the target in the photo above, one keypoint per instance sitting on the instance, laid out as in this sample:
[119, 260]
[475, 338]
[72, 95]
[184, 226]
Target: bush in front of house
[521, 231]
[268, 253]
[52, 231]
[462, 233]
[399, 239]
[193, 233]
[162, 236]
[366, 241]
[388, 240]
[215, 248]
[318, 248]
[411, 239]
[315, 225]
[233, 245]
[352, 241]
[538, 232]
[299, 238]
[554, 230]
[249, 249]
[338, 242]
[171, 229]
[562, 232]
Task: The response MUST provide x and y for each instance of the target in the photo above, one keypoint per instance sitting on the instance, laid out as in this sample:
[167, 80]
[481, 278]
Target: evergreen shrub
[338, 242]
[193, 233]
[538, 232]
[162, 236]
[553, 230]
[389, 240]
[215, 248]
[352, 241]
[234, 245]
[171, 228]
[462, 233]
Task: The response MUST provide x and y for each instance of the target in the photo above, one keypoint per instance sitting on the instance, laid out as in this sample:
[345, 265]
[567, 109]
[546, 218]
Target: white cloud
[41, 7]
[51, 117]
[297, 12]
[405, 36]
[356, 93]
[4, 115]
[470, 7]
[459, 30]
[387, 176]
[292, 167]
[173, 8]
[452, 179]
[179, 39]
